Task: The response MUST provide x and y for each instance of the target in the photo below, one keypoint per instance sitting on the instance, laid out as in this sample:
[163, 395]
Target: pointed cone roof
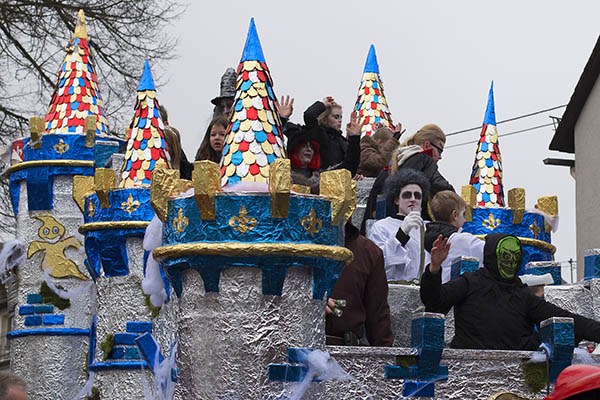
[487, 169]
[76, 95]
[490, 111]
[371, 64]
[252, 48]
[146, 82]
[371, 105]
[146, 145]
[254, 136]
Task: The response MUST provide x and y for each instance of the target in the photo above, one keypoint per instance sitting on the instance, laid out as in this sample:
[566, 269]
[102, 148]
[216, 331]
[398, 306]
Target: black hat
[227, 86]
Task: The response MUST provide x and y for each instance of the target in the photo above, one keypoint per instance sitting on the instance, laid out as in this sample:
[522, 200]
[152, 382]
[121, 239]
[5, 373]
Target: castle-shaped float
[139, 284]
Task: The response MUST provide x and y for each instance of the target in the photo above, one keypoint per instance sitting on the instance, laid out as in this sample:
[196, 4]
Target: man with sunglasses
[399, 236]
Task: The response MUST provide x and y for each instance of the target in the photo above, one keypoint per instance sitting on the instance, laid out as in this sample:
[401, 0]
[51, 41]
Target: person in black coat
[326, 115]
[492, 308]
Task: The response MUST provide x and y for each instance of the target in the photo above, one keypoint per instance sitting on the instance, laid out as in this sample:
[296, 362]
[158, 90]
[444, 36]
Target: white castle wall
[53, 364]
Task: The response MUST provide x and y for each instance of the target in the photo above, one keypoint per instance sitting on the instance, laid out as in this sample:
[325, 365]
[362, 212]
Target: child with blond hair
[448, 210]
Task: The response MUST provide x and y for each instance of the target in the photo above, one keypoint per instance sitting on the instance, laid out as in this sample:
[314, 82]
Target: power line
[506, 134]
[508, 120]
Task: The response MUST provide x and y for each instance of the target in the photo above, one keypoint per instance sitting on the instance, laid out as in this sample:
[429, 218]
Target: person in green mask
[492, 308]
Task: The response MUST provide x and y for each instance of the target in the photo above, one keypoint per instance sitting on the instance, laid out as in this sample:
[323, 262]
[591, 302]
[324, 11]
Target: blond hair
[427, 133]
[322, 118]
[443, 203]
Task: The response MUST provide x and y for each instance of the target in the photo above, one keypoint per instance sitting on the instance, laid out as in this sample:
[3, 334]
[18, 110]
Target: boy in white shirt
[448, 209]
[399, 237]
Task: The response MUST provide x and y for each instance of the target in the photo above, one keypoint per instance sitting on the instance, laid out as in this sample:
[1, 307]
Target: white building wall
[587, 166]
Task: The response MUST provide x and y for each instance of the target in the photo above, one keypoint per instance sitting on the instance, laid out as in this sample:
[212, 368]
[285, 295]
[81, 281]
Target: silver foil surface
[228, 339]
[52, 365]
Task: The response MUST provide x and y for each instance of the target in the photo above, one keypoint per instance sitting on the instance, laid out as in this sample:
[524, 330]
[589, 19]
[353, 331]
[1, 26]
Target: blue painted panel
[26, 310]
[43, 309]
[54, 319]
[34, 298]
[267, 229]
[33, 320]
[125, 338]
[139, 327]
[48, 332]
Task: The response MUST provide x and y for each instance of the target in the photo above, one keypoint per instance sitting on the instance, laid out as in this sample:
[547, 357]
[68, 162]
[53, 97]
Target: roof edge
[564, 137]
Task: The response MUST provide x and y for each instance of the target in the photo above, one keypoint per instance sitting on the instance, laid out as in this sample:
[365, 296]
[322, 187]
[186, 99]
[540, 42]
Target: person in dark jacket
[376, 151]
[492, 308]
[304, 150]
[327, 116]
[421, 151]
[362, 284]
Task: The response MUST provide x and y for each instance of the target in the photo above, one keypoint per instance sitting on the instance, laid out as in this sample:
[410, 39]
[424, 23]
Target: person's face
[305, 153]
[16, 393]
[409, 199]
[460, 219]
[437, 148]
[224, 106]
[217, 137]
[334, 120]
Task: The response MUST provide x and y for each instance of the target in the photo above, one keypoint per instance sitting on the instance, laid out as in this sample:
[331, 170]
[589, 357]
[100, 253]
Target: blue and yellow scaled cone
[254, 136]
[146, 145]
[486, 177]
[371, 105]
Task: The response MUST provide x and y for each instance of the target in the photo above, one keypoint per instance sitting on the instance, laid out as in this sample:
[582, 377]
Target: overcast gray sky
[436, 59]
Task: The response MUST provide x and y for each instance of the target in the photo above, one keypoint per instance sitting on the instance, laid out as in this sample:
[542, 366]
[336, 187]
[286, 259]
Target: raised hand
[439, 252]
[285, 107]
[353, 127]
[398, 131]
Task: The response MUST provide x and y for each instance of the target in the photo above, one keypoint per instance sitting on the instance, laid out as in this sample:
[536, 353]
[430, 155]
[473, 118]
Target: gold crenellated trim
[100, 226]
[540, 244]
[43, 163]
[254, 249]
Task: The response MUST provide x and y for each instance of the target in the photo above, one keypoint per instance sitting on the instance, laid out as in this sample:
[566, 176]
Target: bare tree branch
[33, 37]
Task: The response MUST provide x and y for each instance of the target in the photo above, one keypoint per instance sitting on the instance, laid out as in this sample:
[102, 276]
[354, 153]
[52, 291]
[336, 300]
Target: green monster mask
[508, 254]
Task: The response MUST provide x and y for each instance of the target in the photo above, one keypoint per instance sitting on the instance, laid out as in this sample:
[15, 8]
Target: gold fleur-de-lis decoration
[534, 229]
[242, 223]
[311, 224]
[130, 205]
[491, 223]
[91, 209]
[180, 222]
[61, 147]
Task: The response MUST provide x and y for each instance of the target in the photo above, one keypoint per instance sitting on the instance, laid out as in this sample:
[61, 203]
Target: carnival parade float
[138, 284]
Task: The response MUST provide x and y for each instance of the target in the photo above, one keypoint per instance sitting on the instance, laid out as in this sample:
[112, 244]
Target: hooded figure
[492, 308]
